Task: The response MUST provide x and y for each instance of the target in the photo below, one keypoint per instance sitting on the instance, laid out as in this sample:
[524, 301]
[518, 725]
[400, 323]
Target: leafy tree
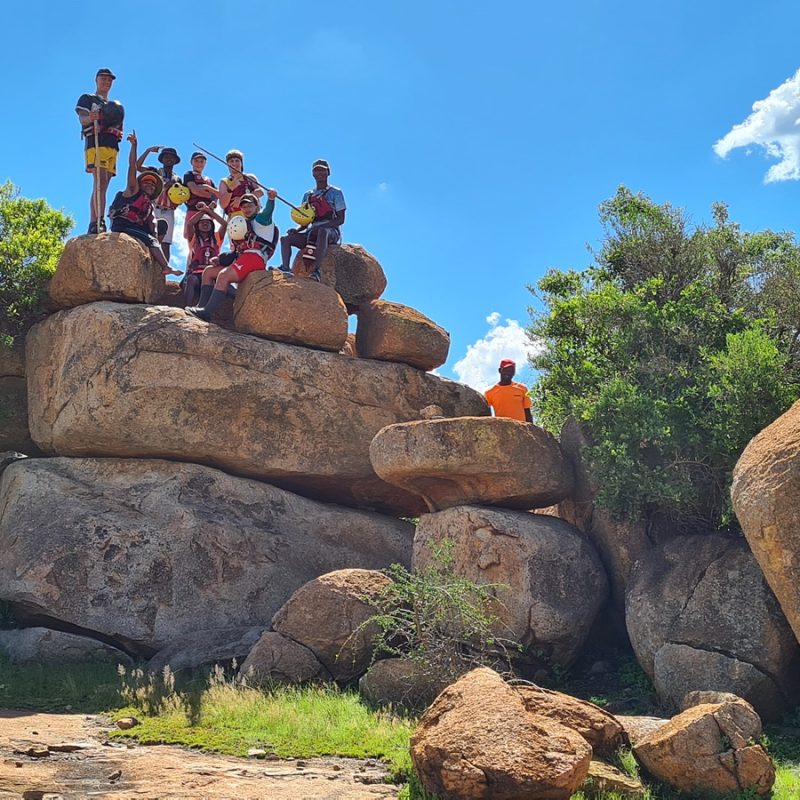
[675, 348]
[31, 240]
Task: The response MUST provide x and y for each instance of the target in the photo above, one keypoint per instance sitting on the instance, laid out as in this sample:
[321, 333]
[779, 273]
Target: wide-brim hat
[150, 174]
[169, 151]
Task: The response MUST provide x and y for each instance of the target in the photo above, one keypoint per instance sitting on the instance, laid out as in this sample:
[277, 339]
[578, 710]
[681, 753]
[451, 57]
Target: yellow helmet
[237, 228]
[304, 215]
[178, 193]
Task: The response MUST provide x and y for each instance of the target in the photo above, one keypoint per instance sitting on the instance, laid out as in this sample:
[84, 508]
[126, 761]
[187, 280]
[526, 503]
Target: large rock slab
[350, 269]
[146, 551]
[205, 647]
[484, 460]
[709, 748]
[14, 431]
[394, 332]
[330, 616]
[111, 266]
[701, 617]
[477, 742]
[766, 498]
[550, 583]
[122, 380]
[286, 309]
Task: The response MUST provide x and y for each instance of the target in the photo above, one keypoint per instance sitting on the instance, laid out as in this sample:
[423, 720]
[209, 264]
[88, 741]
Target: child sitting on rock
[204, 245]
[131, 211]
[251, 251]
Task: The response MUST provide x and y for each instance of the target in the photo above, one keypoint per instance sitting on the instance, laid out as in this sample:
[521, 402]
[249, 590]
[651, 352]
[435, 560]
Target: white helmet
[237, 228]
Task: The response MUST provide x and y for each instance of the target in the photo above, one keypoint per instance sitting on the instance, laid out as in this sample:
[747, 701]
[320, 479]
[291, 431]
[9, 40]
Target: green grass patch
[289, 722]
[87, 687]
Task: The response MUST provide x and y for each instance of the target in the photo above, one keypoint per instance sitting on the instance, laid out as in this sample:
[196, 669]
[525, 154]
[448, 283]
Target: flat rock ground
[64, 756]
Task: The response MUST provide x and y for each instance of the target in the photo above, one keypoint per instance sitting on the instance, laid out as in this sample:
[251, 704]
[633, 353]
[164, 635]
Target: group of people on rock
[145, 209]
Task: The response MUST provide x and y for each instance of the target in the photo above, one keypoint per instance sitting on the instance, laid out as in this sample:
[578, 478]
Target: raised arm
[133, 184]
[143, 156]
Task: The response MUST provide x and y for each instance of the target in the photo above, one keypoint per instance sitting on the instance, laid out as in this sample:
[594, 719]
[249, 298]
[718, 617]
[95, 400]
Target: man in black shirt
[108, 115]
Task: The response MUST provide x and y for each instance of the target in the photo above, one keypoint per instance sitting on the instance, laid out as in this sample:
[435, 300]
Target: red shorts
[247, 262]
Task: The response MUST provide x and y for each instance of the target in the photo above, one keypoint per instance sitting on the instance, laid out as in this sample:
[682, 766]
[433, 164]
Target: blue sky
[473, 141]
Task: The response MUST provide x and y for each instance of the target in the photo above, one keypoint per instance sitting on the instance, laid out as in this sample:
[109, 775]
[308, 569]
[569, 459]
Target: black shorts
[145, 237]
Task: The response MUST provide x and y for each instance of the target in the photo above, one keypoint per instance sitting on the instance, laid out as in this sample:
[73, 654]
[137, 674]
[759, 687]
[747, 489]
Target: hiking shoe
[315, 276]
[101, 228]
[200, 313]
[285, 270]
[92, 228]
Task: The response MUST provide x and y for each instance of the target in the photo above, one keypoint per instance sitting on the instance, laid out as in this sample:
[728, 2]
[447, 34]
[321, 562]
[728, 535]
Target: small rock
[115, 776]
[126, 723]
[256, 752]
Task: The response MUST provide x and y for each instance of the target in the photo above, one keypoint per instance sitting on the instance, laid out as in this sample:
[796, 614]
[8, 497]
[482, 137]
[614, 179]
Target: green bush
[31, 240]
[674, 349]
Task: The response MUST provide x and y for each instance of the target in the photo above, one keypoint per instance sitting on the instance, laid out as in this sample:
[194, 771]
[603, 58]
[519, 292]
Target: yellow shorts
[108, 159]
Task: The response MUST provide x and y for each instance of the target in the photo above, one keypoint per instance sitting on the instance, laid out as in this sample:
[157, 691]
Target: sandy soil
[63, 756]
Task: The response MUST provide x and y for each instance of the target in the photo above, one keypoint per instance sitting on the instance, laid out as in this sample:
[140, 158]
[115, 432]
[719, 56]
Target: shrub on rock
[548, 580]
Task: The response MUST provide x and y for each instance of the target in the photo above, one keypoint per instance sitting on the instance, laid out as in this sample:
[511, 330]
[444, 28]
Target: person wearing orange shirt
[508, 398]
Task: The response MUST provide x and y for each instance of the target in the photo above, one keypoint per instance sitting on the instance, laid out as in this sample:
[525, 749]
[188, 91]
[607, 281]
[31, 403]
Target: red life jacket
[200, 180]
[203, 250]
[135, 210]
[322, 208]
[247, 186]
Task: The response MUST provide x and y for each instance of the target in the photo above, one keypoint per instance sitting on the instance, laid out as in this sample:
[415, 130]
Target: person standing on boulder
[164, 207]
[96, 110]
[131, 211]
[508, 398]
[329, 212]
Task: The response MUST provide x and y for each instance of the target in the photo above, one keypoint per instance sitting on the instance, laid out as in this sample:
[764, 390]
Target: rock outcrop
[550, 583]
[144, 551]
[14, 431]
[276, 659]
[402, 683]
[701, 617]
[394, 332]
[153, 382]
[329, 616]
[45, 646]
[600, 729]
[485, 460]
[765, 492]
[709, 748]
[206, 647]
[111, 266]
[477, 741]
[285, 309]
[350, 269]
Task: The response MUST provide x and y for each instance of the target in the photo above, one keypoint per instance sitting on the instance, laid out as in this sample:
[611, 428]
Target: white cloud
[774, 126]
[478, 368]
[179, 251]
[383, 186]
